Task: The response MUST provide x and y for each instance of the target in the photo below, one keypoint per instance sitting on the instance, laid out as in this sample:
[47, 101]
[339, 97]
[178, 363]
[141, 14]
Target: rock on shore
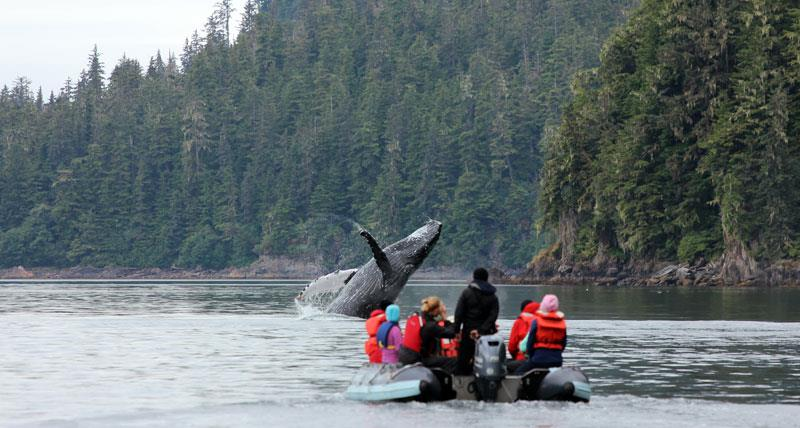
[547, 269]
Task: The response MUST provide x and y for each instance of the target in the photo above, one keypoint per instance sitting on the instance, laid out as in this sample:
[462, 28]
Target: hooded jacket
[477, 308]
[520, 329]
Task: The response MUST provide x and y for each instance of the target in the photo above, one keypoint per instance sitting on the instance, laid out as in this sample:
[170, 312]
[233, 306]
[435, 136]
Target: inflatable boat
[490, 382]
[388, 382]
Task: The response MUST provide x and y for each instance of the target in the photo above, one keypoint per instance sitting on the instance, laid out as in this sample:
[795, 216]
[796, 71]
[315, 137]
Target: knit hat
[393, 313]
[549, 303]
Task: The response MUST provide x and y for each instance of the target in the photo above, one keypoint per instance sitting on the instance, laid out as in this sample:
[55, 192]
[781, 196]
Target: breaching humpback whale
[357, 292]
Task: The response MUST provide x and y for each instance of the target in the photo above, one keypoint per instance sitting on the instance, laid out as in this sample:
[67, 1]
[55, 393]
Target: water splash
[325, 289]
[307, 310]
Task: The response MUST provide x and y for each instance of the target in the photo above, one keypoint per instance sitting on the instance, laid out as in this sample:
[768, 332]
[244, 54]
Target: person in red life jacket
[431, 333]
[412, 340]
[547, 337]
[389, 336]
[476, 315]
[520, 329]
[376, 318]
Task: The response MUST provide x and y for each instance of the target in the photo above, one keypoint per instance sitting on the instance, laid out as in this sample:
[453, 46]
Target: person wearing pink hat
[547, 338]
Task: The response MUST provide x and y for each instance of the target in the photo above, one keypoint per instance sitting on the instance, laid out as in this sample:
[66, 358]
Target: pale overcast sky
[50, 40]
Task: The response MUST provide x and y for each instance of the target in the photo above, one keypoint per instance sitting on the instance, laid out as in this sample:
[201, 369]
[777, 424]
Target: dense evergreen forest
[273, 139]
[683, 143]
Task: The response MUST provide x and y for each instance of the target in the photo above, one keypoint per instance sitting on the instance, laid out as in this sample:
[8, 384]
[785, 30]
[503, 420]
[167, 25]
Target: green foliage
[33, 242]
[696, 245]
[203, 248]
[683, 143]
[317, 113]
[586, 244]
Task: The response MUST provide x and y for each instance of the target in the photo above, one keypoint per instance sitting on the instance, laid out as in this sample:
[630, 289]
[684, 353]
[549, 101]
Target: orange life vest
[371, 348]
[449, 347]
[412, 339]
[522, 331]
[551, 330]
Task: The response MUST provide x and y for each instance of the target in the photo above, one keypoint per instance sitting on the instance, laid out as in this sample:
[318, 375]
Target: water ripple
[148, 355]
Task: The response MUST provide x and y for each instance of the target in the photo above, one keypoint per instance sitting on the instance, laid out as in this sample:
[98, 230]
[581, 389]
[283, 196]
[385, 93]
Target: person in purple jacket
[390, 337]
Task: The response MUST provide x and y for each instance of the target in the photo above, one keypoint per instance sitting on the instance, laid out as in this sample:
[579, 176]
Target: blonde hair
[431, 304]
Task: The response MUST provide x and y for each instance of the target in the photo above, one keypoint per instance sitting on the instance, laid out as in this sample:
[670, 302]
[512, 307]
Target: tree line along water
[259, 142]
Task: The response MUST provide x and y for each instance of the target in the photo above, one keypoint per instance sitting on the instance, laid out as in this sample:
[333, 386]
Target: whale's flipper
[377, 252]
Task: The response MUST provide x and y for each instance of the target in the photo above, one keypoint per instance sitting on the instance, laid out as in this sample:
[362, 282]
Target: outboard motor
[490, 366]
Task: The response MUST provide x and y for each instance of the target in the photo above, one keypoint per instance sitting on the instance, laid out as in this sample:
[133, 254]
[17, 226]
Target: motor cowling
[490, 366]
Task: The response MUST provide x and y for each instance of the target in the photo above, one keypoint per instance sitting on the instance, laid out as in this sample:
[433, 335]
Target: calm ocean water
[142, 354]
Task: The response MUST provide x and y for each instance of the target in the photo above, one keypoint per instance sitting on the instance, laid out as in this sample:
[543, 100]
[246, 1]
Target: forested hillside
[314, 115]
[683, 144]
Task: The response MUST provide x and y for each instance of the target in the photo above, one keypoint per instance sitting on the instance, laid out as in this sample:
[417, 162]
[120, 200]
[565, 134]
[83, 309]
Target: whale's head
[408, 254]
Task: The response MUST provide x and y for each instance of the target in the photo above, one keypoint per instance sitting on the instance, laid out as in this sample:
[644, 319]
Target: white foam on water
[307, 310]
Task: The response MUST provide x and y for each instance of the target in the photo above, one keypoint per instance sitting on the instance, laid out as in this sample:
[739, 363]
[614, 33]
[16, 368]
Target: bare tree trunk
[737, 263]
[567, 235]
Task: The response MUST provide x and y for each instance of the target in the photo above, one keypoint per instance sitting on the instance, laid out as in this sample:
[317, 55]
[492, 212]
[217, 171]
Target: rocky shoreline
[548, 270]
[264, 269]
[669, 275]
[89, 273]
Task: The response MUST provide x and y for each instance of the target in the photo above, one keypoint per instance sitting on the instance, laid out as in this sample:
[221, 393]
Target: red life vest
[371, 348]
[412, 339]
[525, 320]
[449, 347]
[551, 330]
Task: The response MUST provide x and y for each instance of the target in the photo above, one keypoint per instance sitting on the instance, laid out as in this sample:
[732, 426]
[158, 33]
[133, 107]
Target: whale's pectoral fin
[377, 252]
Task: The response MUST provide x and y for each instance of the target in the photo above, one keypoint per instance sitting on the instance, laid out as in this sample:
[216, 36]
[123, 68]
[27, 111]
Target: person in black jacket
[433, 310]
[476, 315]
